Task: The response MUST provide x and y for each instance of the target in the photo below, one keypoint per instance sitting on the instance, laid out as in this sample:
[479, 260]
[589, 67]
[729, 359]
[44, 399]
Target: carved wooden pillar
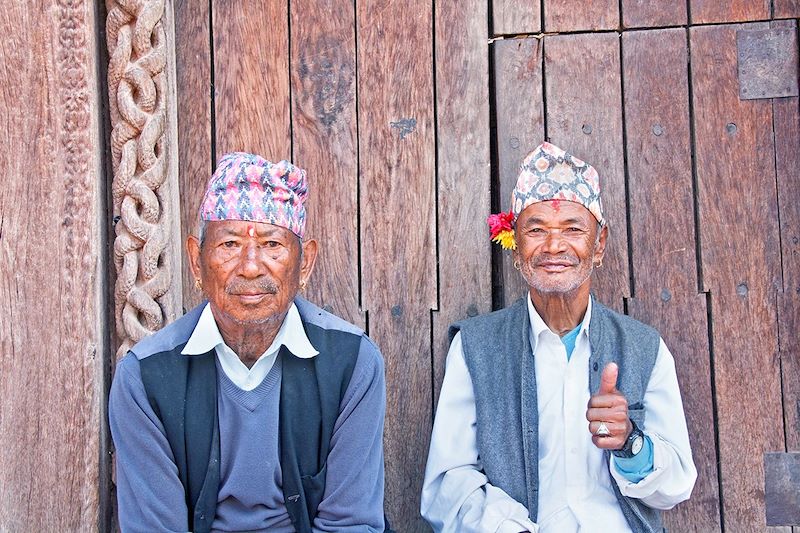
[141, 87]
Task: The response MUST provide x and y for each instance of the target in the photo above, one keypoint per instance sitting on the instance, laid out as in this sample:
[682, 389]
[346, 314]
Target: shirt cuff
[515, 526]
[636, 468]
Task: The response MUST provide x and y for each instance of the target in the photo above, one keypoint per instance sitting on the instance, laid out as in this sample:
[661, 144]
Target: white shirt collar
[206, 336]
[538, 325]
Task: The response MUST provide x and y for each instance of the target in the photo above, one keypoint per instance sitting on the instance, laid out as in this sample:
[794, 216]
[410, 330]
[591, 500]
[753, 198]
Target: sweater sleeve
[149, 492]
[673, 474]
[456, 494]
[353, 498]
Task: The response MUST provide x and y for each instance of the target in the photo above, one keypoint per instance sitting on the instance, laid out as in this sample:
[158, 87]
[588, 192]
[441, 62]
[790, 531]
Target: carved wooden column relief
[141, 87]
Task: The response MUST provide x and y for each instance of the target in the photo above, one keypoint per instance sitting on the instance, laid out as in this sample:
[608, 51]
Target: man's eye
[536, 230]
[574, 230]
[272, 244]
[229, 244]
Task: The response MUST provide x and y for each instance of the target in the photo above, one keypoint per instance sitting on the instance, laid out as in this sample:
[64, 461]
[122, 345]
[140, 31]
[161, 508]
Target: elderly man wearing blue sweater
[556, 414]
[256, 411]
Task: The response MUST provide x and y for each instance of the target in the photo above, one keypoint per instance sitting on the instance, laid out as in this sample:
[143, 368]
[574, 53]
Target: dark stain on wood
[404, 126]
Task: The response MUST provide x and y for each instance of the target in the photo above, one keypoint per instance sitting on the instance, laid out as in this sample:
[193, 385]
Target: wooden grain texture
[251, 78]
[324, 143]
[786, 9]
[519, 111]
[663, 244]
[398, 220]
[653, 13]
[52, 329]
[463, 170]
[735, 168]
[511, 17]
[786, 126]
[580, 15]
[682, 323]
[193, 72]
[706, 11]
[659, 159]
[584, 117]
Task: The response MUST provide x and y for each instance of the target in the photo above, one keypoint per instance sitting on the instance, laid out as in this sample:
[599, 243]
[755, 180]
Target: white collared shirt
[575, 492]
[206, 336]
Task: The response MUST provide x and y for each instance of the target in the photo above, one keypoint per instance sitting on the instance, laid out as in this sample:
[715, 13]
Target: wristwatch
[633, 445]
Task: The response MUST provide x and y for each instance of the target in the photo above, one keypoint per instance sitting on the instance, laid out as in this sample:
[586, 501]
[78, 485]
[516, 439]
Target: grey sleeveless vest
[498, 354]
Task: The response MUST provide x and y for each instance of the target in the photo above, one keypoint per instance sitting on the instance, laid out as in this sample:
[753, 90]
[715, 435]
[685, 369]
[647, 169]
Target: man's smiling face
[557, 245]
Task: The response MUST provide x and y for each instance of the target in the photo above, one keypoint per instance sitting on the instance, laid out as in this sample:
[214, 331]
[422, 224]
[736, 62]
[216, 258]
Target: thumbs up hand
[607, 412]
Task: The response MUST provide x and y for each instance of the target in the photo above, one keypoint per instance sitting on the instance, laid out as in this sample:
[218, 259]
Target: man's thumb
[608, 381]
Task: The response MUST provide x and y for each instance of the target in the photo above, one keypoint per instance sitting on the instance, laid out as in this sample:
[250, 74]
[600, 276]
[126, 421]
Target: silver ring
[602, 430]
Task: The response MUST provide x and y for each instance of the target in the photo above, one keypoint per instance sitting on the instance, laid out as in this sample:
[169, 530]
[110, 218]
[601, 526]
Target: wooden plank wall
[53, 308]
[412, 119]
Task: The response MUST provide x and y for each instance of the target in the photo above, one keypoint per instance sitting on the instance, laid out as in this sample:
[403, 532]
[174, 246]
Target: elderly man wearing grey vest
[556, 414]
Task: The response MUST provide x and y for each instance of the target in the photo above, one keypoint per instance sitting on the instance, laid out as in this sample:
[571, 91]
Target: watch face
[636, 447]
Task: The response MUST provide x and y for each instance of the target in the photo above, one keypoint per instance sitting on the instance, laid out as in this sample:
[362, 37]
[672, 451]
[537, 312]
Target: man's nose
[250, 264]
[555, 242]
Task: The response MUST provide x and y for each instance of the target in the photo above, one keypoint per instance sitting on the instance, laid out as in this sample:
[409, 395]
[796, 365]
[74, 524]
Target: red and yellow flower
[501, 229]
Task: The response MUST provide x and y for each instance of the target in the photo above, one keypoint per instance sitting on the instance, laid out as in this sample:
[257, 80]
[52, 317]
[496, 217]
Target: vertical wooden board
[52, 331]
[396, 154]
[584, 117]
[785, 9]
[580, 15]
[519, 111]
[749, 414]
[735, 168]
[787, 157]
[464, 174]
[682, 323]
[659, 163]
[193, 70]
[251, 77]
[663, 243]
[708, 11]
[401, 332]
[653, 13]
[510, 17]
[735, 158]
[323, 67]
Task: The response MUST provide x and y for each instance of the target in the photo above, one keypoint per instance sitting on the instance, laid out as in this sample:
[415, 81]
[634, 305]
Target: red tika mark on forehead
[251, 230]
[556, 205]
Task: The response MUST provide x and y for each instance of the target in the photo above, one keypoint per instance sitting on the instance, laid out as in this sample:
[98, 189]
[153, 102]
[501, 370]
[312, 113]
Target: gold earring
[516, 264]
[198, 284]
[599, 264]
[302, 285]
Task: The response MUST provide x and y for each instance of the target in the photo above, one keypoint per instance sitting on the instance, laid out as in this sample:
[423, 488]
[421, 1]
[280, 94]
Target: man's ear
[600, 249]
[193, 251]
[310, 249]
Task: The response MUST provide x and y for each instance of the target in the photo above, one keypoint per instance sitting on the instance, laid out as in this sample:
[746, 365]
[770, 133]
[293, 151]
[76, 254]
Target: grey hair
[201, 232]
[600, 227]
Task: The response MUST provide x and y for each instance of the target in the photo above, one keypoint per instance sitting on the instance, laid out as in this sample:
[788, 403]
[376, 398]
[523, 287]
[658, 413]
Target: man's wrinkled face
[557, 245]
[250, 271]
